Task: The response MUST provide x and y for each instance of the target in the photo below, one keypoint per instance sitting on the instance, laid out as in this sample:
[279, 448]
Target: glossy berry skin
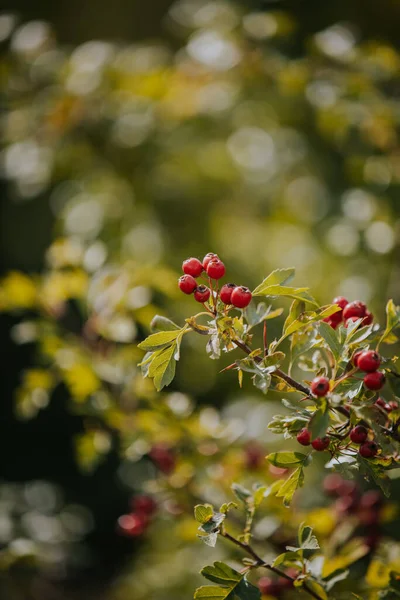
[193, 267]
[320, 386]
[241, 296]
[132, 525]
[215, 268]
[356, 356]
[202, 293]
[143, 504]
[382, 404]
[354, 309]
[207, 259]
[369, 361]
[226, 292]
[368, 450]
[304, 437]
[358, 434]
[334, 324]
[340, 301]
[187, 284]
[374, 381]
[368, 319]
[320, 444]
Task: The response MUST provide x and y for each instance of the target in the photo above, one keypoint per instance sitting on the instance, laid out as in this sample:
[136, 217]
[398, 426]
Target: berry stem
[265, 340]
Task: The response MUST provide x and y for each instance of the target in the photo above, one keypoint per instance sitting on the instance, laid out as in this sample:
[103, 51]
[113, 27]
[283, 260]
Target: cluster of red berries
[238, 296]
[369, 362]
[276, 587]
[135, 523]
[366, 507]
[349, 312]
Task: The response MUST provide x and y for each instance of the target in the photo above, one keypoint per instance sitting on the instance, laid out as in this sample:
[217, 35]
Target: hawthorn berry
[304, 437]
[143, 504]
[340, 301]
[332, 322]
[133, 525]
[393, 405]
[356, 356]
[382, 404]
[187, 284]
[375, 380]
[215, 268]
[241, 296]
[268, 586]
[226, 292]
[202, 293]
[369, 361]
[163, 457]
[207, 259]
[333, 484]
[358, 434]
[254, 455]
[346, 504]
[354, 309]
[371, 499]
[320, 386]
[320, 444]
[368, 319]
[368, 449]
[192, 266]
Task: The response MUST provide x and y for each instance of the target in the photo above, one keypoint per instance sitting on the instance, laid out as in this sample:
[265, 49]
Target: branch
[260, 563]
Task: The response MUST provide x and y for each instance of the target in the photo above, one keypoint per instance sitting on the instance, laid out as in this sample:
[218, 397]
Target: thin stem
[260, 563]
[265, 339]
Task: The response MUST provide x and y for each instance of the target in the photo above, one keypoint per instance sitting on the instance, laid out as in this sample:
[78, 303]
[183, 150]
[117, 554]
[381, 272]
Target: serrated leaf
[159, 340]
[274, 291]
[221, 573]
[162, 367]
[392, 322]
[319, 422]
[213, 592]
[247, 591]
[289, 487]
[160, 324]
[286, 460]
[203, 512]
[209, 539]
[277, 277]
[331, 338]
[213, 523]
[306, 538]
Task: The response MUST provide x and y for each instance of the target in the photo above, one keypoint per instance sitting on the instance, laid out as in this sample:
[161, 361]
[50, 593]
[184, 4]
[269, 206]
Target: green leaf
[279, 290]
[160, 323]
[330, 336]
[335, 577]
[392, 322]
[247, 591]
[159, 340]
[162, 367]
[319, 422]
[203, 512]
[241, 492]
[286, 459]
[209, 539]
[213, 523]
[221, 573]
[213, 592]
[317, 588]
[296, 308]
[277, 277]
[289, 487]
[287, 558]
[306, 538]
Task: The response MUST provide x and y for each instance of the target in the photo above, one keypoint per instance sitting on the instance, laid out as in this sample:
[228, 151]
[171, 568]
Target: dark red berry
[368, 516]
[375, 380]
[268, 586]
[241, 296]
[320, 386]
[187, 284]
[254, 455]
[356, 356]
[226, 292]
[382, 404]
[192, 266]
[333, 484]
[143, 504]
[371, 499]
[393, 405]
[334, 324]
[369, 361]
[133, 525]
[215, 268]
[304, 437]
[368, 449]
[346, 504]
[163, 457]
[368, 319]
[202, 293]
[320, 444]
[340, 301]
[358, 434]
[354, 309]
[207, 259]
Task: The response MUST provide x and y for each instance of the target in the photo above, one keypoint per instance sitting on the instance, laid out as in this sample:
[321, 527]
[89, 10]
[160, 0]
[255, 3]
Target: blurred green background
[264, 131]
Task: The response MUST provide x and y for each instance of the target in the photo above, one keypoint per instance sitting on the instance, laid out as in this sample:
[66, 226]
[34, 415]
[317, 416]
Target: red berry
[133, 525]
[333, 484]
[304, 437]
[215, 268]
[320, 386]
[163, 457]
[187, 284]
[268, 586]
[368, 319]
[375, 380]
[143, 504]
[202, 293]
[358, 434]
[368, 449]
[346, 504]
[369, 361]
[350, 320]
[226, 292]
[340, 301]
[192, 266]
[393, 405]
[354, 309]
[241, 296]
[207, 259]
[356, 356]
[332, 322]
[320, 444]
[371, 499]
[386, 406]
[254, 455]
[368, 516]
